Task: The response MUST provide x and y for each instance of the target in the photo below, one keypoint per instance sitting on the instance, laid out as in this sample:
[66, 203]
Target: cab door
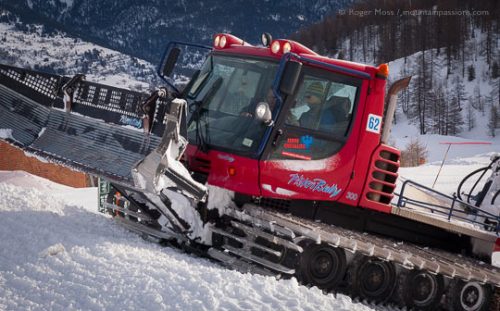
[313, 160]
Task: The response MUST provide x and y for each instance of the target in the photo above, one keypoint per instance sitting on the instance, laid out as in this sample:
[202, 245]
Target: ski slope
[58, 253]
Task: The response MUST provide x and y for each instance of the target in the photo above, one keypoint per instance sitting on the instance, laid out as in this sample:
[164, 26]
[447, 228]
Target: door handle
[279, 132]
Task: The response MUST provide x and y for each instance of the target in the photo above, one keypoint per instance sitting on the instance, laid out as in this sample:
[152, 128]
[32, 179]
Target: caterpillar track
[263, 241]
[359, 246]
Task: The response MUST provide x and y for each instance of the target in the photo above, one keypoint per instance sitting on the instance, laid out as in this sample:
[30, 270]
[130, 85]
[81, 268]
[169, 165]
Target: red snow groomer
[270, 159]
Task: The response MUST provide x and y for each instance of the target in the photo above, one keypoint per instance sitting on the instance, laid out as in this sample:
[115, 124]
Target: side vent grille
[275, 203]
[382, 179]
[201, 164]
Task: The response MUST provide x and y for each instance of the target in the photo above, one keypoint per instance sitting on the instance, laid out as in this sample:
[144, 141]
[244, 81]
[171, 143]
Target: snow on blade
[219, 199]
[58, 255]
[185, 210]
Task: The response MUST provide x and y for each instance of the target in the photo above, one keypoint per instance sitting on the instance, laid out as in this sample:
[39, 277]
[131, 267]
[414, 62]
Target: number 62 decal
[374, 123]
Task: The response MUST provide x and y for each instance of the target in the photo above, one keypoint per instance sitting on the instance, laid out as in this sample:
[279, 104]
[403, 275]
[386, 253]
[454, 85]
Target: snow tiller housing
[271, 159]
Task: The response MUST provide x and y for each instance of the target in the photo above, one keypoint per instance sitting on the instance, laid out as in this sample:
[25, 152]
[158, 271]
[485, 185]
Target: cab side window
[317, 119]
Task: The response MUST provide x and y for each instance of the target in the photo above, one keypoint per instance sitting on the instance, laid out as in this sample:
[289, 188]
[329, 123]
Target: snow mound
[56, 255]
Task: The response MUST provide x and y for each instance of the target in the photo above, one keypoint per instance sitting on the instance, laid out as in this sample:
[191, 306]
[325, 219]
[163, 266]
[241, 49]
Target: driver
[314, 118]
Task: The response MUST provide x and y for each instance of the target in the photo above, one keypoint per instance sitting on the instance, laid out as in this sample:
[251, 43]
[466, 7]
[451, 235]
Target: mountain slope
[142, 28]
[59, 53]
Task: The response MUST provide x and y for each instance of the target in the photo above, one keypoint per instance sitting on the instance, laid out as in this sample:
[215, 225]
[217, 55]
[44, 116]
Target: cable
[495, 197]
[484, 170]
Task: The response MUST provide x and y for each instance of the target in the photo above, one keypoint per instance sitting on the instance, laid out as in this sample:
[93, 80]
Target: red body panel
[347, 177]
[370, 104]
[496, 248]
[218, 166]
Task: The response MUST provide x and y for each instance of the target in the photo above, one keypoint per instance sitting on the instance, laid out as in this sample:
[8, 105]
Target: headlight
[275, 47]
[260, 111]
[216, 41]
[223, 42]
[287, 47]
[263, 113]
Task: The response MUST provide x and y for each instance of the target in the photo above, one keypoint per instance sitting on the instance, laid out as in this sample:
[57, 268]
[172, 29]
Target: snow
[281, 191]
[58, 253]
[69, 3]
[39, 158]
[6, 134]
[403, 132]
[297, 166]
[219, 198]
[61, 53]
[451, 174]
[185, 209]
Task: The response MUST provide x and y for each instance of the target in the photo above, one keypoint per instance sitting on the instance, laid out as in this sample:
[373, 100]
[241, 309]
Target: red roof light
[224, 40]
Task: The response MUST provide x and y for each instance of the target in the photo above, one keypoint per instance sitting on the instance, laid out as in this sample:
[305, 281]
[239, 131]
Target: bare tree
[414, 154]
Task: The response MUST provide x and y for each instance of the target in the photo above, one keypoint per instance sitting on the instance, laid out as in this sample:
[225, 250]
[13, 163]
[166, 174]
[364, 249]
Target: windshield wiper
[200, 139]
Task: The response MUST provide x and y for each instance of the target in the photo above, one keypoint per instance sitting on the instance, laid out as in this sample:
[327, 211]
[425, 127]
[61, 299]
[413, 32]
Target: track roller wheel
[322, 265]
[420, 289]
[371, 278]
[468, 296]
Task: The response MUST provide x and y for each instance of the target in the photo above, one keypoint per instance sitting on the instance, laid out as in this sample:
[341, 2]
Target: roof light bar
[225, 40]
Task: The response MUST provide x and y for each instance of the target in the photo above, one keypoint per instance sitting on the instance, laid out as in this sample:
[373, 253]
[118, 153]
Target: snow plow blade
[98, 129]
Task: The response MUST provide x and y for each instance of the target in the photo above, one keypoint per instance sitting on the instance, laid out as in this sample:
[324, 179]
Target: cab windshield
[223, 99]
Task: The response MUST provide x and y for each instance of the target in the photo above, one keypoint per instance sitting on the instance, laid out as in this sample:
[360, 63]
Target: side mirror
[263, 113]
[290, 77]
[170, 62]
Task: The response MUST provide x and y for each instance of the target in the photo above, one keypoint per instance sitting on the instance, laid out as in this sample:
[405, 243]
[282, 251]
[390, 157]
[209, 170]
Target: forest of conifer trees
[450, 47]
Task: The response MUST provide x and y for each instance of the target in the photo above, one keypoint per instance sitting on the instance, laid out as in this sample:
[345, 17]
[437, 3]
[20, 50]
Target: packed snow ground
[403, 132]
[58, 253]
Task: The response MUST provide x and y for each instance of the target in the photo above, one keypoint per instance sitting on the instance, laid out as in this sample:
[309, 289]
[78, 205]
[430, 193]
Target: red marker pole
[449, 146]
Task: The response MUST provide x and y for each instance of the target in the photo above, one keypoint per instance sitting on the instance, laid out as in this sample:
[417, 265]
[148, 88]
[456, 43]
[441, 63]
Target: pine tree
[471, 118]
[495, 71]
[494, 97]
[471, 73]
[493, 121]
[405, 93]
[437, 111]
[422, 94]
[455, 120]
[478, 100]
[459, 90]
